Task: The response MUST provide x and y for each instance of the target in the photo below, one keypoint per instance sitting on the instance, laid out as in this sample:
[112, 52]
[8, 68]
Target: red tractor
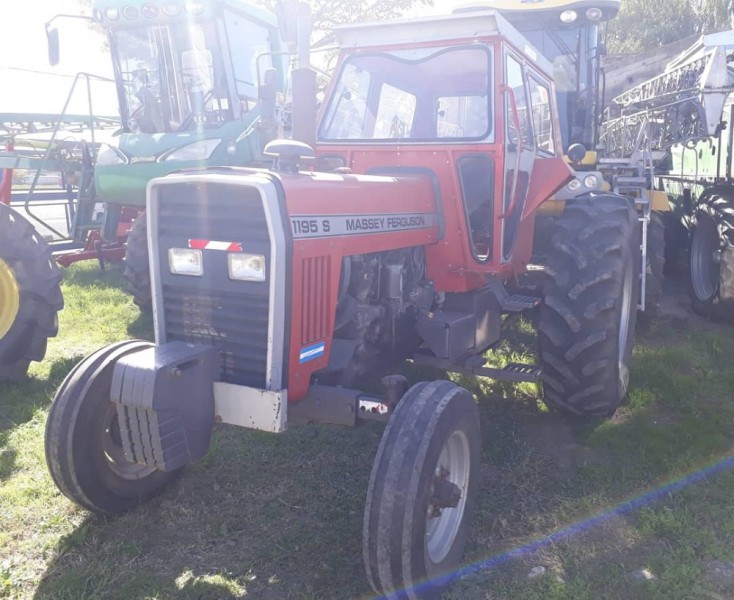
[276, 290]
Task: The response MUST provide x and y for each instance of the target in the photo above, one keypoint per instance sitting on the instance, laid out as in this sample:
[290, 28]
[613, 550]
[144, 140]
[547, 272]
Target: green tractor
[197, 85]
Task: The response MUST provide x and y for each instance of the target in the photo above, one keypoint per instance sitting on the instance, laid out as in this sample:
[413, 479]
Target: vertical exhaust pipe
[294, 21]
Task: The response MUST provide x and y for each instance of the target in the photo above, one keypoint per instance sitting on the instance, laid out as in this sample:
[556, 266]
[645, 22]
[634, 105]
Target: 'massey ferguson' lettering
[365, 224]
[334, 225]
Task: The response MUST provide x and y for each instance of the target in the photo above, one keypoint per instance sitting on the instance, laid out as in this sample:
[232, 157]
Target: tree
[325, 14]
[642, 25]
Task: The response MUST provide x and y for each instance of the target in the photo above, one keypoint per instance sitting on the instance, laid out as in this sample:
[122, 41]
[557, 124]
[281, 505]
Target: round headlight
[590, 181]
[171, 9]
[569, 16]
[194, 7]
[130, 12]
[149, 11]
[593, 14]
[112, 14]
[574, 185]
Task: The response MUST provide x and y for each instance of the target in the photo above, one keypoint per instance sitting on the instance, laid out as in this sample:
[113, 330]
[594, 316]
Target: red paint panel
[549, 175]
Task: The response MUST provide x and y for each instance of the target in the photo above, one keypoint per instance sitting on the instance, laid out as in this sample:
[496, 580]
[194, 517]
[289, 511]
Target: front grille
[231, 316]
[315, 297]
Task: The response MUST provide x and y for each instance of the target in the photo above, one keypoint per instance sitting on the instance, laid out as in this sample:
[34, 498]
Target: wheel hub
[445, 493]
[9, 298]
[447, 496]
[114, 454]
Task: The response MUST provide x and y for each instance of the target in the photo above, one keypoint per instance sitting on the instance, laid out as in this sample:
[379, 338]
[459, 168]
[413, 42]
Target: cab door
[519, 153]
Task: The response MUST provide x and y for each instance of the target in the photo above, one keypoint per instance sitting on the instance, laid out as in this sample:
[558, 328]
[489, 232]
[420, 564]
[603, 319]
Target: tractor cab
[465, 100]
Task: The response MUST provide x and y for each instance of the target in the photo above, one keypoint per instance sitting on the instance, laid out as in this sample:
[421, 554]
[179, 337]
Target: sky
[27, 82]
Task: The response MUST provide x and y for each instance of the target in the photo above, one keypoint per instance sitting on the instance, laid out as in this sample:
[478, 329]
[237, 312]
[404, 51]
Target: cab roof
[420, 30]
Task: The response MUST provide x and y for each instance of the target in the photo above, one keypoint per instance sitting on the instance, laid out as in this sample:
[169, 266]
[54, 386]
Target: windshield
[419, 95]
[173, 77]
[572, 52]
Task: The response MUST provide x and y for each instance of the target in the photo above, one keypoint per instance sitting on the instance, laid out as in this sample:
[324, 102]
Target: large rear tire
[711, 257]
[588, 315]
[422, 491]
[30, 295]
[83, 447]
[137, 267]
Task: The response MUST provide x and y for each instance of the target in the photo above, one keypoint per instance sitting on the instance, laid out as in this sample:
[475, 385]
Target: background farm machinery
[676, 129]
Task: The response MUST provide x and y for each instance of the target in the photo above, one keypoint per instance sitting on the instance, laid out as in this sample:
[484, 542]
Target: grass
[271, 517]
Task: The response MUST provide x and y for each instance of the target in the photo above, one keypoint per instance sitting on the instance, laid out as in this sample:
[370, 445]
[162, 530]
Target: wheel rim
[705, 259]
[113, 452]
[442, 523]
[9, 298]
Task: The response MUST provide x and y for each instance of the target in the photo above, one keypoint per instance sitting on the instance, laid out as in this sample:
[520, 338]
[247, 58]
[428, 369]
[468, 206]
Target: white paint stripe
[217, 245]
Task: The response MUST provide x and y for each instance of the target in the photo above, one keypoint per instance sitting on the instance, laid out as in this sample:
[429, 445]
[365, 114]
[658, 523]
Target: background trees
[642, 24]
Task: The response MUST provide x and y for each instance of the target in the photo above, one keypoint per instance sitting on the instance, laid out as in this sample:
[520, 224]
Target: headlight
[112, 14]
[568, 16]
[149, 11]
[171, 9]
[107, 155]
[200, 150]
[246, 267]
[574, 185]
[130, 12]
[593, 14]
[590, 181]
[185, 261]
[194, 7]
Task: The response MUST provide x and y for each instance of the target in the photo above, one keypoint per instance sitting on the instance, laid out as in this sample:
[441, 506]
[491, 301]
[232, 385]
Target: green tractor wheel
[30, 295]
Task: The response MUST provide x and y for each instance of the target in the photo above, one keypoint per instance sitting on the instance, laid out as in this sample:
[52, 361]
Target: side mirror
[52, 35]
[286, 12]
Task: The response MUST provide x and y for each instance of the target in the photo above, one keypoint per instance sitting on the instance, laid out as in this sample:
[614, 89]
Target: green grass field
[639, 506]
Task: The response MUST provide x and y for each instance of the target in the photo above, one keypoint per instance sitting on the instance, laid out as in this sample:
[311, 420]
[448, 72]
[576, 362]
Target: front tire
[711, 258]
[588, 315]
[30, 295]
[422, 492]
[83, 447]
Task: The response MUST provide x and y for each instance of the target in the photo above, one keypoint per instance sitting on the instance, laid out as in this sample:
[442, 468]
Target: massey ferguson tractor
[275, 292]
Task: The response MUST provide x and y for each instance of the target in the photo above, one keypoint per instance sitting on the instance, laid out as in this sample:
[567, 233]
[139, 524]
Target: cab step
[474, 365]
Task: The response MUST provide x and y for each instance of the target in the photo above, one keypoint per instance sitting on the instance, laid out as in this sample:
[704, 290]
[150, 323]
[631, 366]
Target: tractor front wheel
[711, 258]
[422, 491]
[137, 267]
[30, 295]
[588, 315]
[83, 444]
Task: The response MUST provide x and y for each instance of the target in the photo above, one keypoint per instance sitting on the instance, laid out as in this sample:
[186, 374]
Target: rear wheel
[422, 491]
[588, 315]
[711, 258]
[83, 447]
[137, 267]
[30, 295]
